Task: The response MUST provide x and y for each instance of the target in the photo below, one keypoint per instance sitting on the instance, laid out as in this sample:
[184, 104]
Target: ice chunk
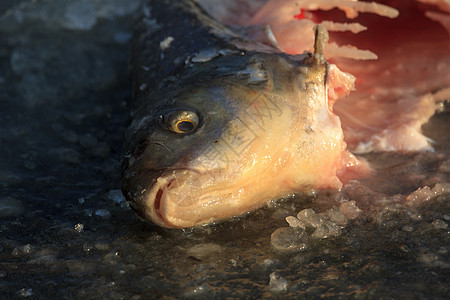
[26, 249]
[277, 283]
[326, 229]
[324, 224]
[22, 250]
[25, 292]
[309, 217]
[205, 55]
[426, 193]
[79, 227]
[407, 228]
[268, 262]
[280, 213]
[116, 196]
[349, 209]
[164, 44]
[294, 222]
[290, 239]
[87, 247]
[336, 216]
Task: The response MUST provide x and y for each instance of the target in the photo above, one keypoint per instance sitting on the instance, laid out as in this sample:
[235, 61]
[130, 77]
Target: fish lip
[153, 201]
[160, 195]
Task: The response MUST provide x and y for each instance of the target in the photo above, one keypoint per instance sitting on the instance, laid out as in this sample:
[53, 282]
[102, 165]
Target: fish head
[239, 131]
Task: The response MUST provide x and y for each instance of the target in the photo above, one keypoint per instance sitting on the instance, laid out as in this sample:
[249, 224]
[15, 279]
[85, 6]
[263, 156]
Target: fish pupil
[185, 126]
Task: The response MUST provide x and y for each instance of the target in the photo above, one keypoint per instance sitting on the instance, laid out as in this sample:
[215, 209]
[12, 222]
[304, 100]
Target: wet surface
[65, 231]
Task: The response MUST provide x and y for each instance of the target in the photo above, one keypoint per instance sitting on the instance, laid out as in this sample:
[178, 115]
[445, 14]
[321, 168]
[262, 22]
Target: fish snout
[180, 198]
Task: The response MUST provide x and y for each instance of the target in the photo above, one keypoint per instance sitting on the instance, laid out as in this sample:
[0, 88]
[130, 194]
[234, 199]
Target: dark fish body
[162, 20]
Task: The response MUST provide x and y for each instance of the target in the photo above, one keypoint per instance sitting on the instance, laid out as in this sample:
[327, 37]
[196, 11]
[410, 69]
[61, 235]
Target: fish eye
[183, 121]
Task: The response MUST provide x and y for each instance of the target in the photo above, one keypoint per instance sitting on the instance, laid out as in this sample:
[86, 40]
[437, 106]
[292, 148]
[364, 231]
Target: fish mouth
[182, 198]
[157, 202]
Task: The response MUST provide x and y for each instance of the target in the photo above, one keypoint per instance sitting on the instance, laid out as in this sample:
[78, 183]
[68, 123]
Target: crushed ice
[306, 226]
[164, 44]
[277, 283]
[117, 197]
[103, 213]
[426, 193]
[324, 224]
[25, 292]
[79, 227]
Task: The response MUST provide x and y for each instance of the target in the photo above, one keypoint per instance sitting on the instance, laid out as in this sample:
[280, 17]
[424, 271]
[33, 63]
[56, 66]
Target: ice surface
[8, 178]
[202, 250]
[199, 291]
[122, 37]
[65, 103]
[112, 9]
[80, 15]
[68, 155]
[445, 166]
[11, 207]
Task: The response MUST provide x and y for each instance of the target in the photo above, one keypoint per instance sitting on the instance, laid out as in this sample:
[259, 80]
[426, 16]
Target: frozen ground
[65, 231]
